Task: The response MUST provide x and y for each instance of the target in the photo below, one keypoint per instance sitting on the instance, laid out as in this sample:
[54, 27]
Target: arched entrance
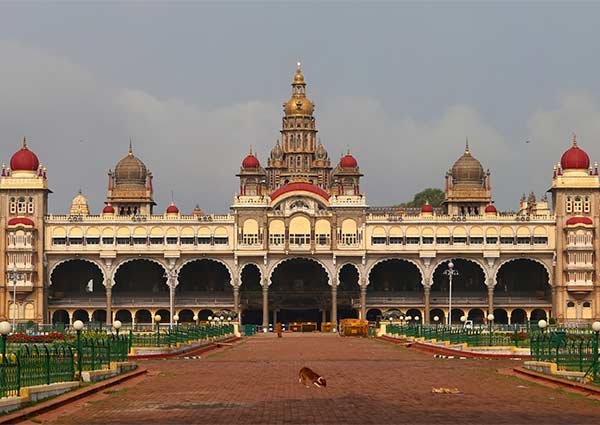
[299, 292]
[251, 295]
[374, 315]
[395, 278]
[123, 316]
[348, 292]
[143, 316]
[518, 281]
[60, 316]
[76, 281]
[143, 281]
[203, 278]
[500, 316]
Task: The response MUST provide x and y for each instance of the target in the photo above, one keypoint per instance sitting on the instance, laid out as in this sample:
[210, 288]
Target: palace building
[300, 243]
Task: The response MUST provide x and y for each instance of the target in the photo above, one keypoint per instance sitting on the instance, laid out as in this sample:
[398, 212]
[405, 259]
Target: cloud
[80, 126]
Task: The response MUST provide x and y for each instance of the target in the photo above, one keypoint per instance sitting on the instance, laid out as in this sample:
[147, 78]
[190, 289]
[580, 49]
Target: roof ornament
[574, 140]
[467, 151]
[130, 152]
[24, 143]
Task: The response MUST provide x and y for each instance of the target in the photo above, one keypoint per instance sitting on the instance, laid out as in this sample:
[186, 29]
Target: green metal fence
[568, 349]
[250, 330]
[170, 337]
[478, 336]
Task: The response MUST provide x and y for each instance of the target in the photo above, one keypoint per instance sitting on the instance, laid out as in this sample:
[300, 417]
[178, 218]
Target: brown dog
[308, 375]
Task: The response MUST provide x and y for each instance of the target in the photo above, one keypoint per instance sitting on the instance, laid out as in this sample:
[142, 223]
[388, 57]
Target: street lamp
[450, 272]
[542, 324]
[4, 330]
[78, 326]
[490, 318]
[117, 325]
[14, 275]
[195, 318]
[157, 320]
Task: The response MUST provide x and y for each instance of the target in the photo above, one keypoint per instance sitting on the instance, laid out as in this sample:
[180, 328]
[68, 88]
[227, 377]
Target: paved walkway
[369, 382]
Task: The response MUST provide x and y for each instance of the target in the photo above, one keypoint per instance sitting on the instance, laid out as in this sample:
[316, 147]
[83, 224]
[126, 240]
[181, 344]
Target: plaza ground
[369, 382]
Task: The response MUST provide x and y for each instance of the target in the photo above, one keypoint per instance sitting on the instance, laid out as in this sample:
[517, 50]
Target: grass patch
[117, 392]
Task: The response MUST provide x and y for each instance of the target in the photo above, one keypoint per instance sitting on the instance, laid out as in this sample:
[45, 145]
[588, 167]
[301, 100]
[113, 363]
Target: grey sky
[195, 84]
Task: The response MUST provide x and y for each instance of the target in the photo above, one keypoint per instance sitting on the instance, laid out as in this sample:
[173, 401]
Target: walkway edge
[61, 400]
[529, 374]
[199, 348]
[449, 351]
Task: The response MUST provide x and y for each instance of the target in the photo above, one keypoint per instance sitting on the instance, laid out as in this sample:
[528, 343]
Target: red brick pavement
[369, 382]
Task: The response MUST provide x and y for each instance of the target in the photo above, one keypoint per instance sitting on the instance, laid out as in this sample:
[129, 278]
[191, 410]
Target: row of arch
[299, 224]
[460, 231]
[138, 232]
[437, 268]
[142, 315]
[476, 315]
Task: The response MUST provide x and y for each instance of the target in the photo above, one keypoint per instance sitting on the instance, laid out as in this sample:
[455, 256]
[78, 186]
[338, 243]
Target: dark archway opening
[60, 316]
[518, 316]
[203, 279]
[81, 315]
[99, 316]
[477, 316]
[523, 279]
[123, 316]
[252, 317]
[300, 291]
[538, 314]
[251, 295]
[500, 316]
[467, 286]
[186, 316]
[203, 315]
[76, 280]
[457, 313]
[141, 280]
[374, 315]
[395, 278]
[436, 312]
[348, 292]
[143, 316]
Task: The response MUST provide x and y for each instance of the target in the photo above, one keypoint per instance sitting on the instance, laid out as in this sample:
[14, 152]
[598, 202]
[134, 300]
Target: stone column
[334, 307]
[427, 294]
[171, 300]
[363, 302]
[265, 321]
[554, 305]
[490, 300]
[236, 301]
[274, 317]
[108, 289]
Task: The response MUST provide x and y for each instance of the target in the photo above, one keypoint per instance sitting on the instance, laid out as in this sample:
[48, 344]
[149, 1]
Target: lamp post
[436, 320]
[78, 326]
[596, 329]
[14, 275]
[157, 320]
[4, 330]
[450, 272]
[490, 318]
[195, 318]
[117, 325]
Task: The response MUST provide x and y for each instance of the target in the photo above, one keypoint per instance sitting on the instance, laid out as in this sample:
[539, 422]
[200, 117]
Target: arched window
[30, 206]
[578, 205]
[13, 206]
[569, 205]
[587, 205]
[21, 207]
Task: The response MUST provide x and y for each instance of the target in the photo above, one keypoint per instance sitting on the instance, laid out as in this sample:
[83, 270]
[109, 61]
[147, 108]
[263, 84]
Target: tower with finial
[24, 199]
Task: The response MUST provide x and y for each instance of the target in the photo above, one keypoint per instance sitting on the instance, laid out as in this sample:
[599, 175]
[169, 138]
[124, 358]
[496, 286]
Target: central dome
[131, 171]
[298, 104]
[467, 170]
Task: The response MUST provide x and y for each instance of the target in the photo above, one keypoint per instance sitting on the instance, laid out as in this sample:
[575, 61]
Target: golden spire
[299, 77]
[130, 148]
[467, 151]
[24, 143]
[298, 103]
[574, 140]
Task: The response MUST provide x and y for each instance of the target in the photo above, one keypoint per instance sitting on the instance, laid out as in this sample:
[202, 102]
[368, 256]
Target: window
[569, 205]
[322, 239]
[204, 240]
[491, 240]
[172, 240]
[250, 239]
[396, 240]
[108, 241]
[221, 240]
[13, 206]
[92, 241]
[30, 206]
[75, 241]
[442, 240]
[378, 240]
[21, 206]
[123, 241]
[476, 240]
[507, 240]
[187, 240]
[540, 240]
[427, 240]
[523, 240]
[59, 241]
[413, 240]
[299, 239]
[139, 241]
[459, 240]
[348, 238]
[157, 241]
[586, 205]
[276, 239]
[578, 205]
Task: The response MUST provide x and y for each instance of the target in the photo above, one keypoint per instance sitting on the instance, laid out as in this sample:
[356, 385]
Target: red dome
[109, 209]
[348, 161]
[172, 209]
[575, 158]
[250, 161]
[490, 209]
[24, 159]
[292, 187]
[579, 220]
[427, 208]
[24, 221]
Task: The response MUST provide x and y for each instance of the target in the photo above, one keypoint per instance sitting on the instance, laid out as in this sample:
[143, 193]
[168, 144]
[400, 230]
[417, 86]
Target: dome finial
[24, 143]
[574, 140]
[467, 151]
[130, 152]
[298, 67]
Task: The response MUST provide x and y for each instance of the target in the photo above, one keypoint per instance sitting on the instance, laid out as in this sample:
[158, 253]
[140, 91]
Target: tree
[434, 196]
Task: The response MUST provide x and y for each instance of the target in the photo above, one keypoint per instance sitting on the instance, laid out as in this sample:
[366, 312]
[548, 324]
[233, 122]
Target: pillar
[274, 317]
[427, 290]
[554, 305]
[236, 301]
[323, 315]
[363, 303]
[334, 307]
[490, 300]
[171, 300]
[108, 288]
[265, 293]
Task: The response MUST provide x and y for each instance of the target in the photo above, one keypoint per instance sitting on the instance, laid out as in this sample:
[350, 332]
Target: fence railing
[168, 337]
[569, 349]
[477, 336]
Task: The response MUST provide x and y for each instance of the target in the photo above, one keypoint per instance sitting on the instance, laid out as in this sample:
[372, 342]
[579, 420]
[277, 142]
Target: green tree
[434, 196]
